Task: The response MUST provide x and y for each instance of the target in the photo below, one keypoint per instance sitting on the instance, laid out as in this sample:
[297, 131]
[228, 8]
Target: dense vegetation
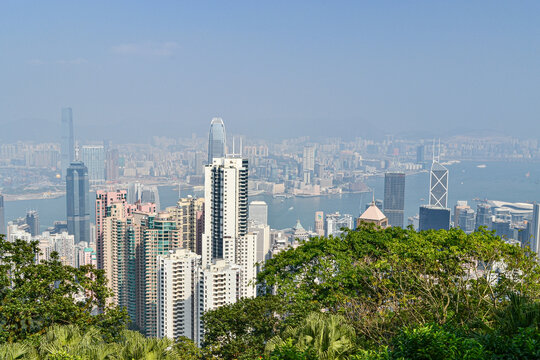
[369, 294]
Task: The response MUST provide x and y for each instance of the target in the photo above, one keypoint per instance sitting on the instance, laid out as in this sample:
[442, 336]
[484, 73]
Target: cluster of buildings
[167, 267]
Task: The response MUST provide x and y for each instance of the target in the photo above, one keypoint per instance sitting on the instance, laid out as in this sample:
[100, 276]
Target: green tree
[433, 342]
[34, 296]
[327, 335]
[240, 330]
[381, 280]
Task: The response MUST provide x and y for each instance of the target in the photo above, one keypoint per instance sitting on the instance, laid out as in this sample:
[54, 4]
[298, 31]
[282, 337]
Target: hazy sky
[275, 68]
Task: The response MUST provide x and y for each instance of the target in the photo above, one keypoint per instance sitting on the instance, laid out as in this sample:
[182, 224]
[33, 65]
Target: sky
[270, 69]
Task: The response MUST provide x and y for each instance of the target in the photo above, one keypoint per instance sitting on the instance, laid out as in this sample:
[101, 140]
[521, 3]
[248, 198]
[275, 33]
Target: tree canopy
[36, 296]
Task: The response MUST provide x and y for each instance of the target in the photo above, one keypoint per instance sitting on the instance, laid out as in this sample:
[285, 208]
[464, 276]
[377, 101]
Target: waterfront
[507, 181]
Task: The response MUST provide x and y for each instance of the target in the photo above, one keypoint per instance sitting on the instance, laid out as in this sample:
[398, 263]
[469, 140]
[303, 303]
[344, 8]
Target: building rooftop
[373, 213]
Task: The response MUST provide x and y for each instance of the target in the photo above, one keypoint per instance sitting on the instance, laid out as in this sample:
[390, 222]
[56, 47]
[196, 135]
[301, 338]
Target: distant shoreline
[34, 196]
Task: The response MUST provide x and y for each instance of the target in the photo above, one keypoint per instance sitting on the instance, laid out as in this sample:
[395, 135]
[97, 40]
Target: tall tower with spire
[216, 140]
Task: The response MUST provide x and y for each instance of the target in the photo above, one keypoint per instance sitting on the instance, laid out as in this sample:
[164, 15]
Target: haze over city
[270, 69]
[269, 180]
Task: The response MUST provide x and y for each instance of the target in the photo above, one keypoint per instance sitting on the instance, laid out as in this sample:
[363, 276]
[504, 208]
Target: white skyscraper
[218, 286]
[226, 208]
[178, 286]
[246, 258]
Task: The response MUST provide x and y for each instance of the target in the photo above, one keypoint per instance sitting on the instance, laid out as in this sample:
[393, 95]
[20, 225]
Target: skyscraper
[434, 218]
[466, 220]
[2, 216]
[216, 140]
[460, 206]
[438, 185]
[483, 216]
[308, 164]
[78, 215]
[93, 156]
[178, 280]
[32, 220]
[335, 222]
[258, 212]
[319, 223]
[394, 198]
[111, 165]
[188, 214]
[67, 146]
[105, 199]
[226, 208]
[160, 236]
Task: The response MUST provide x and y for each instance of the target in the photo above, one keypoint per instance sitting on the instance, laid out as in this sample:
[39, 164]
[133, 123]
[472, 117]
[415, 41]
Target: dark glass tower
[394, 198]
[434, 218]
[216, 140]
[78, 214]
[32, 220]
[67, 150]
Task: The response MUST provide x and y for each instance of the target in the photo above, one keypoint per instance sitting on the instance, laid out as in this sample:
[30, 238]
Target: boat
[481, 166]
[292, 207]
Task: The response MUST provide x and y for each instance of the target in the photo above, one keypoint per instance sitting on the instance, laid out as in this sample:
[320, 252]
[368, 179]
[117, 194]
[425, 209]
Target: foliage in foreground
[34, 297]
[70, 343]
[395, 288]
[369, 294]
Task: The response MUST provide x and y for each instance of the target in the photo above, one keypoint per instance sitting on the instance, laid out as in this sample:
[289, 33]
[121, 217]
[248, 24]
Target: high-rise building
[216, 140]
[226, 208]
[120, 234]
[178, 291]
[336, 222]
[150, 194]
[246, 259]
[438, 185]
[63, 244]
[263, 240]
[2, 216]
[111, 165]
[67, 146]
[319, 223]
[466, 220]
[420, 154]
[308, 164]
[93, 156]
[483, 216]
[32, 220]
[434, 218]
[503, 228]
[218, 286]
[258, 212]
[78, 214]
[104, 199]
[394, 198]
[189, 214]
[461, 205]
[160, 236]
